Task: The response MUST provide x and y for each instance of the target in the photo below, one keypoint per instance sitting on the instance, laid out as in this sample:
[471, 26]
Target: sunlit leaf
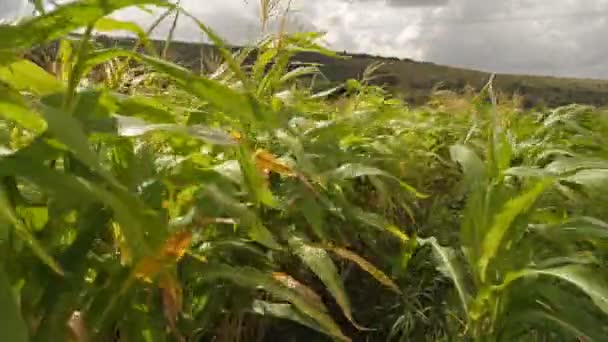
[24, 75]
[503, 221]
[134, 127]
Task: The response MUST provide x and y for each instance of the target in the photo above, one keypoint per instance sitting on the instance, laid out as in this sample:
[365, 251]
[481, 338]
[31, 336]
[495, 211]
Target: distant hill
[414, 80]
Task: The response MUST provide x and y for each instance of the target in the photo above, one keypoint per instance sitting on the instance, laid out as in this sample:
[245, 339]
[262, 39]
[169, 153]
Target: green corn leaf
[503, 220]
[63, 21]
[12, 107]
[143, 229]
[452, 267]
[262, 62]
[242, 106]
[23, 75]
[568, 165]
[61, 296]
[367, 266]
[547, 306]
[110, 24]
[8, 215]
[299, 72]
[379, 222]
[319, 261]
[247, 218]
[589, 280]
[314, 214]
[145, 108]
[473, 167]
[252, 278]
[12, 325]
[574, 327]
[64, 55]
[595, 180]
[216, 94]
[526, 172]
[70, 132]
[350, 171]
[575, 229]
[97, 57]
[258, 232]
[231, 170]
[285, 311]
[134, 127]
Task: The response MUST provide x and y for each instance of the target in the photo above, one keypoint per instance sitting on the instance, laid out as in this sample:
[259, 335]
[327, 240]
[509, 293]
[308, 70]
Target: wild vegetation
[142, 201]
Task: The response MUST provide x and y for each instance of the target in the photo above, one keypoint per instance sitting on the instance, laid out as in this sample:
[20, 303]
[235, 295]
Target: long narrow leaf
[451, 267]
[503, 220]
[320, 263]
[64, 20]
[253, 278]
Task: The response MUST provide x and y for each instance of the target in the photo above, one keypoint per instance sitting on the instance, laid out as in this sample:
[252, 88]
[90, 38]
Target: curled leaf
[367, 266]
[267, 162]
[171, 251]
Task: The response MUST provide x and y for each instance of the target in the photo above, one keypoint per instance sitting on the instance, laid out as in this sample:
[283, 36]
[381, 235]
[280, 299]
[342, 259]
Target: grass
[143, 201]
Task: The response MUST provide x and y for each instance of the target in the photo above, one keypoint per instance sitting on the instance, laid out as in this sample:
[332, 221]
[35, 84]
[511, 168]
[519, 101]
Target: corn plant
[528, 265]
[162, 215]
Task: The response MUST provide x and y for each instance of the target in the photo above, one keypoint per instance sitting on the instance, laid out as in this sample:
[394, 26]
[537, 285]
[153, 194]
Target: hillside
[412, 79]
[415, 80]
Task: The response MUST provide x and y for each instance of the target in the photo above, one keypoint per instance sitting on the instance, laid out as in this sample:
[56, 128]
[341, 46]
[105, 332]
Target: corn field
[141, 201]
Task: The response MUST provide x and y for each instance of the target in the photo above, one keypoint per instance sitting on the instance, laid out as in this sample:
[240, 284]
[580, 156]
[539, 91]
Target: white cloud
[557, 37]
[13, 9]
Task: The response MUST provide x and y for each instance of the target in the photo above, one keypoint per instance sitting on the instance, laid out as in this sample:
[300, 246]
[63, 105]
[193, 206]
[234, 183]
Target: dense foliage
[140, 201]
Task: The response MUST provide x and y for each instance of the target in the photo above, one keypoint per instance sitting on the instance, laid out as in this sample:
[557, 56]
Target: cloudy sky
[551, 37]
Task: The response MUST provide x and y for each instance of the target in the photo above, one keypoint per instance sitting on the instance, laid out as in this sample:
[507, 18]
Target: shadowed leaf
[12, 325]
[321, 264]
[367, 267]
